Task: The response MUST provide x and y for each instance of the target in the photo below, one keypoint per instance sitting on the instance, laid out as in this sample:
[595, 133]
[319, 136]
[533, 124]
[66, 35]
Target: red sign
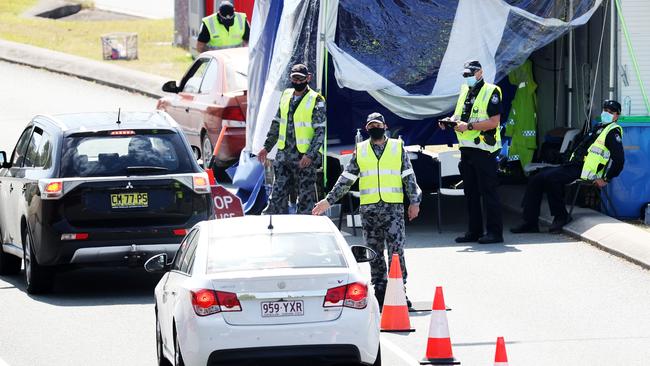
[226, 204]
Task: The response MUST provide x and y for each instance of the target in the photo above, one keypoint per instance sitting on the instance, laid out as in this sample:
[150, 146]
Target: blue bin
[630, 192]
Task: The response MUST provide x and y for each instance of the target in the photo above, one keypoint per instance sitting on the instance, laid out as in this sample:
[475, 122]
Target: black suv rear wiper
[145, 169]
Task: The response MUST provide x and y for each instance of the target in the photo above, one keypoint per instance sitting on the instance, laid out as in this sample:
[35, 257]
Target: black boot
[468, 238]
[490, 239]
[558, 224]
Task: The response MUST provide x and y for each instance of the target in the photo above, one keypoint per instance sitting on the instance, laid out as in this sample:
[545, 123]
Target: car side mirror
[157, 263]
[170, 87]
[363, 254]
[3, 160]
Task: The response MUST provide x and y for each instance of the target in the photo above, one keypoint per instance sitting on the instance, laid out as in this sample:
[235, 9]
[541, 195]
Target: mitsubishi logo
[281, 285]
[129, 186]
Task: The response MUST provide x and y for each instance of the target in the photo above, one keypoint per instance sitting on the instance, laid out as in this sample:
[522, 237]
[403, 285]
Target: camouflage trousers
[383, 228]
[291, 181]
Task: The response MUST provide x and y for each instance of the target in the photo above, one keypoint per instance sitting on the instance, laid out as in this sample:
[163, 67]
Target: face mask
[471, 81]
[227, 22]
[606, 117]
[299, 86]
[377, 133]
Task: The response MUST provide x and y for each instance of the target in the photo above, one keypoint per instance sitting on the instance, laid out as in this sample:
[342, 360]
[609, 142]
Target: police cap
[612, 105]
[375, 117]
[471, 67]
[226, 9]
[299, 71]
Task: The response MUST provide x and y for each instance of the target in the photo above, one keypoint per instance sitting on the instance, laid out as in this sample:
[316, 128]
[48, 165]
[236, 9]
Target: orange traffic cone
[211, 179]
[439, 344]
[395, 313]
[500, 357]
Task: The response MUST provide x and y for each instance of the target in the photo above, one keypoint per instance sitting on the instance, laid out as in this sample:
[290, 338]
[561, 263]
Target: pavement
[611, 235]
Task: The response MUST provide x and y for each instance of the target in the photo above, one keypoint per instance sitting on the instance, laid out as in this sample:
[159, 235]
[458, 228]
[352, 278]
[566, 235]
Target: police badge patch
[618, 138]
[495, 99]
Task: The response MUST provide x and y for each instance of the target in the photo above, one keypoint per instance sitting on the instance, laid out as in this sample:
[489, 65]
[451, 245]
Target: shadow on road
[95, 287]
[423, 232]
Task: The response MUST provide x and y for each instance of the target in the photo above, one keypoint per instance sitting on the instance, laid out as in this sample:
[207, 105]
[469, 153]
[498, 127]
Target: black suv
[97, 188]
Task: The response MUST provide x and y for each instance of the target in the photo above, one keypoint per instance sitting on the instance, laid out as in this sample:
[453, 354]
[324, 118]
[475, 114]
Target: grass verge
[156, 54]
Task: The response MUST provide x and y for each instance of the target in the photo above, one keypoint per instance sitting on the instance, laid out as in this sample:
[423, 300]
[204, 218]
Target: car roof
[236, 58]
[235, 53]
[258, 225]
[106, 121]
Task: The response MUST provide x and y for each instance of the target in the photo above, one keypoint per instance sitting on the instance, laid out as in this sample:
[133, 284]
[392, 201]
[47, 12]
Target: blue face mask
[471, 81]
[606, 117]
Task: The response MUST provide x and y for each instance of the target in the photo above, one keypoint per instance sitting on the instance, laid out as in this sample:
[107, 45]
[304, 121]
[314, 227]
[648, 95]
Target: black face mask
[227, 22]
[299, 86]
[377, 133]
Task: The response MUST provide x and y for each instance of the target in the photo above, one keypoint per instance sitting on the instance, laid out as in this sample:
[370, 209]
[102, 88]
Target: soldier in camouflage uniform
[299, 130]
[382, 210]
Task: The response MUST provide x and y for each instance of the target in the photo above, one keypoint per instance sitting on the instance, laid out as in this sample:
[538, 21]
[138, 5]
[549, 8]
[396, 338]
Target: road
[557, 301]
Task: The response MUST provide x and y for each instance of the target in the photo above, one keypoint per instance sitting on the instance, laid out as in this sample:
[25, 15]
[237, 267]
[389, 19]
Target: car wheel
[37, 278]
[9, 264]
[378, 359]
[178, 357]
[160, 356]
[206, 150]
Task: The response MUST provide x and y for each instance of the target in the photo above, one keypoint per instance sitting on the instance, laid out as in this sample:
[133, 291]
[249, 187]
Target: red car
[210, 105]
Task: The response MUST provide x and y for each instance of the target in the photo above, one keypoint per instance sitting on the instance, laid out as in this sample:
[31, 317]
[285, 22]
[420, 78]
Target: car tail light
[335, 296]
[201, 183]
[233, 113]
[356, 296]
[208, 302]
[353, 295]
[180, 232]
[51, 189]
[228, 301]
[74, 236]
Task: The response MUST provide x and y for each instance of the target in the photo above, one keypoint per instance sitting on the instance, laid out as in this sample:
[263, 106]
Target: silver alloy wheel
[206, 151]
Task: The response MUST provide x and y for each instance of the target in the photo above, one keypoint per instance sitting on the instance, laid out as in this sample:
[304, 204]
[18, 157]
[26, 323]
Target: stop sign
[225, 203]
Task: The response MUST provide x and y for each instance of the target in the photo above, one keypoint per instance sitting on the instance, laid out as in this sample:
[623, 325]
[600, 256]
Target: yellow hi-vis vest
[597, 159]
[220, 37]
[380, 179]
[302, 124]
[474, 138]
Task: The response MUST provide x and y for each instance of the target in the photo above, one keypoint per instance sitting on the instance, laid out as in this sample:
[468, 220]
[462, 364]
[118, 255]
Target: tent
[400, 57]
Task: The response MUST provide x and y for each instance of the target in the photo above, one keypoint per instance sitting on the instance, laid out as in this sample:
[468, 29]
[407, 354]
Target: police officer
[299, 131]
[224, 29]
[478, 114]
[598, 157]
[384, 171]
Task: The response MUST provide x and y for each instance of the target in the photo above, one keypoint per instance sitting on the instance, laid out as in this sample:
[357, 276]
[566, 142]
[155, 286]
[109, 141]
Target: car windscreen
[236, 76]
[124, 152]
[259, 252]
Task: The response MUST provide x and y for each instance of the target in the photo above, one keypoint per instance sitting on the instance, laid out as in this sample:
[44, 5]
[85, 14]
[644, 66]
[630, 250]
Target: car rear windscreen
[120, 153]
[256, 252]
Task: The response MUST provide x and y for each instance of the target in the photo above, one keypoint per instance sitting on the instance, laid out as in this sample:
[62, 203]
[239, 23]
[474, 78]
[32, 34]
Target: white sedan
[261, 290]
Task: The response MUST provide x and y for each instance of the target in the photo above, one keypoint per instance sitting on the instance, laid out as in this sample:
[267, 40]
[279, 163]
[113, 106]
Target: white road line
[387, 344]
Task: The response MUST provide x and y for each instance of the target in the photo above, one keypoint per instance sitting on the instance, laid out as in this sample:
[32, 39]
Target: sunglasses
[298, 78]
